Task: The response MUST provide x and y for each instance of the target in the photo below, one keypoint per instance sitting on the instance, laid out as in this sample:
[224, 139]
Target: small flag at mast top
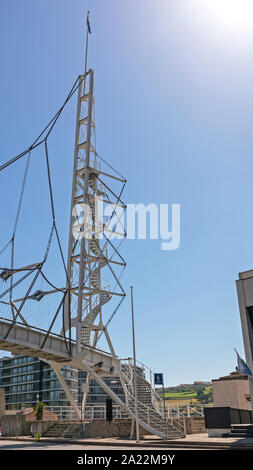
[88, 22]
[242, 366]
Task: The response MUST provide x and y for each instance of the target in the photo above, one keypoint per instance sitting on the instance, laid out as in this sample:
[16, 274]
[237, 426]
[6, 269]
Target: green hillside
[201, 393]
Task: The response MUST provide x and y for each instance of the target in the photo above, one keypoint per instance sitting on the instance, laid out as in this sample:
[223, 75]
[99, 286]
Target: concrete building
[245, 299]
[2, 403]
[25, 380]
[97, 395]
[232, 390]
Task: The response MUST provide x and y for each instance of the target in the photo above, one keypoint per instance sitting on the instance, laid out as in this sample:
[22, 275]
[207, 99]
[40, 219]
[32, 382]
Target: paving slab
[194, 441]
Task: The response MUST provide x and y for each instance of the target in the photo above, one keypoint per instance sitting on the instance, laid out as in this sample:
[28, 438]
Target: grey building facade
[27, 380]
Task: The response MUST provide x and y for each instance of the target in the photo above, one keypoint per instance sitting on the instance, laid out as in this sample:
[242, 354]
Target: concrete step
[68, 430]
[245, 427]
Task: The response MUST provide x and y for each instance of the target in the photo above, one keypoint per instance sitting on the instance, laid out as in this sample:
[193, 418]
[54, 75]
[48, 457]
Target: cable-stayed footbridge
[62, 324]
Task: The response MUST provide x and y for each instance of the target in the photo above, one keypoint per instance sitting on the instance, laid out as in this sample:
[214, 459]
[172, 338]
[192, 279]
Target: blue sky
[173, 89]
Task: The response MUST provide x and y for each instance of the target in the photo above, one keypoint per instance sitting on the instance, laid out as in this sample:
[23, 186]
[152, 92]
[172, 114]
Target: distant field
[180, 395]
[190, 395]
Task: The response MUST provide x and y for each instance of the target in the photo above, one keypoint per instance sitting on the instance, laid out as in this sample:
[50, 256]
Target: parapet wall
[15, 425]
[117, 428]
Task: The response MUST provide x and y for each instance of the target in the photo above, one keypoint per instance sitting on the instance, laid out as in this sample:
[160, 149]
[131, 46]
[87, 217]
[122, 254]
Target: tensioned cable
[21, 194]
[36, 143]
[111, 317]
[53, 210]
[14, 159]
[51, 123]
[5, 247]
[18, 282]
[16, 224]
[111, 167]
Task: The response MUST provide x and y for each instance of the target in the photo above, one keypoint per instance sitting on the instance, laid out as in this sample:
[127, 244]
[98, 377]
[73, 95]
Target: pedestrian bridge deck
[29, 341]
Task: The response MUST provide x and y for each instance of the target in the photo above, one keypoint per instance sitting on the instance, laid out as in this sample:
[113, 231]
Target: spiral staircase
[93, 255]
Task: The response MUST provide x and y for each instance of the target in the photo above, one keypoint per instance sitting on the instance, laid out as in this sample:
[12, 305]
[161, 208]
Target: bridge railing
[193, 409]
[92, 412]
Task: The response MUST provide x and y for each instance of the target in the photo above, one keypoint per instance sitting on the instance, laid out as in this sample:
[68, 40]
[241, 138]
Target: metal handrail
[142, 407]
[92, 412]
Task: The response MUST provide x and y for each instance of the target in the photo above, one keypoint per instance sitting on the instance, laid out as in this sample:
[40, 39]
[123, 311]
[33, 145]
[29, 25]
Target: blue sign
[158, 379]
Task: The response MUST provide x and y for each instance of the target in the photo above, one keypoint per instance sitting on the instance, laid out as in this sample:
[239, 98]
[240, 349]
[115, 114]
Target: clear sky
[174, 100]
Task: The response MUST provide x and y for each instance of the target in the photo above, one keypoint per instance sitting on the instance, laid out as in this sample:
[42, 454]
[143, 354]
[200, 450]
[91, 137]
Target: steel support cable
[23, 302]
[114, 248]
[111, 317]
[57, 115]
[24, 268]
[115, 204]
[53, 210]
[113, 212]
[109, 266]
[14, 306]
[14, 159]
[49, 182]
[51, 123]
[21, 194]
[5, 247]
[52, 322]
[120, 276]
[20, 155]
[18, 282]
[53, 120]
[111, 167]
[112, 192]
[52, 285]
[16, 222]
[35, 144]
[38, 268]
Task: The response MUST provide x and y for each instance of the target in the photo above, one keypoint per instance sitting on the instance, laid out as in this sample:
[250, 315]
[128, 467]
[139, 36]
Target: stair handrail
[155, 398]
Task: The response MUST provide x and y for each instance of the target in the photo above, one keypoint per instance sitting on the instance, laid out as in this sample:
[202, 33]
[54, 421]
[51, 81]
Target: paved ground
[193, 441]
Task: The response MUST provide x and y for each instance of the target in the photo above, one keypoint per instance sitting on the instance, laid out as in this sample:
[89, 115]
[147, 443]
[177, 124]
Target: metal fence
[91, 412]
[99, 411]
[195, 409]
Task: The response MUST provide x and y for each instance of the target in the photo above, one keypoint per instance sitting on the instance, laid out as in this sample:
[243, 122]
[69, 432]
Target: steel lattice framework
[91, 250]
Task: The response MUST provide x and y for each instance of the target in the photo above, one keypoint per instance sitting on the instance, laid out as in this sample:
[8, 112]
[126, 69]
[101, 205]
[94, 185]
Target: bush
[39, 410]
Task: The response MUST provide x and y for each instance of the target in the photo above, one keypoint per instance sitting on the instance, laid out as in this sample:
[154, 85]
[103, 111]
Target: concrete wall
[232, 393]
[195, 425]
[117, 428]
[40, 426]
[15, 425]
[2, 404]
[122, 427]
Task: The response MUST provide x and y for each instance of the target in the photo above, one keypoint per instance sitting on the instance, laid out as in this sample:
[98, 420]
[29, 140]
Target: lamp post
[135, 382]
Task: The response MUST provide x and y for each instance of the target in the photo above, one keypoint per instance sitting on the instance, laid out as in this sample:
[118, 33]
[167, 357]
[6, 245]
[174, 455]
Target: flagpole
[250, 378]
[87, 41]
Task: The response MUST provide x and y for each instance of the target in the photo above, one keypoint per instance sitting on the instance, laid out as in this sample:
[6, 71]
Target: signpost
[135, 381]
[158, 380]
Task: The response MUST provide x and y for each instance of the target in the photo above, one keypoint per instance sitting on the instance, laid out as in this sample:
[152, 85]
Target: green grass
[180, 395]
[184, 395]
